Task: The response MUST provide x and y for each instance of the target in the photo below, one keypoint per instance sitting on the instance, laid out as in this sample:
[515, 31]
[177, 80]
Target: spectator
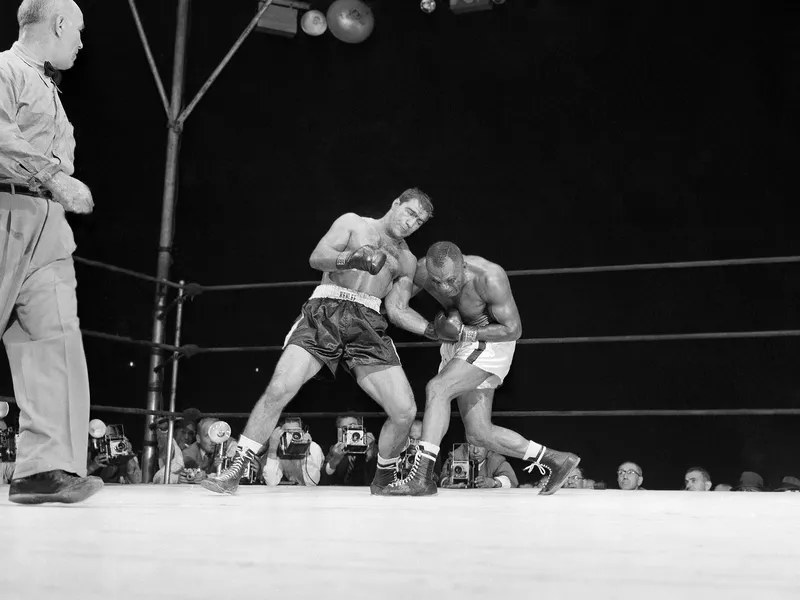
[415, 433]
[493, 470]
[203, 457]
[297, 471]
[128, 472]
[406, 460]
[185, 433]
[577, 480]
[630, 476]
[697, 479]
[750, 482]
[340, 468]
[176, 465]
[723, 487]
[6, 457]
[6, 472]
[789, 484]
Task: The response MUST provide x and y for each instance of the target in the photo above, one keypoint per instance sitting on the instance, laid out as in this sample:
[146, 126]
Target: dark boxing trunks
[338, 324]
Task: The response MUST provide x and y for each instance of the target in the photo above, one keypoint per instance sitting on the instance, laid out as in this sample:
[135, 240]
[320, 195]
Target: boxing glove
[366, 258]
[450, 328]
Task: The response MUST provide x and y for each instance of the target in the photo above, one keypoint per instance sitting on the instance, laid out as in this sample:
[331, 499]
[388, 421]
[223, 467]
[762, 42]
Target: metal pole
[174, 389]
[150, 60]
[225, 61]
[154, 399]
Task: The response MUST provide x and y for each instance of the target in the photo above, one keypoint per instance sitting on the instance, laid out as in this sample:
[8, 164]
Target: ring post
[174, 387]
[154, 399]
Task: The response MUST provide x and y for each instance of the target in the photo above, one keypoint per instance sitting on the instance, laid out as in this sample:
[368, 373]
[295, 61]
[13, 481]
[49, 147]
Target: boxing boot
[227, 482]
[419, 481]
[559, 465]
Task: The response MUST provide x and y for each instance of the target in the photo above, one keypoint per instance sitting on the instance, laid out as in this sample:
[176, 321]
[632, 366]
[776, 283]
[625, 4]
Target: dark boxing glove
[450, 328]
[366, 258]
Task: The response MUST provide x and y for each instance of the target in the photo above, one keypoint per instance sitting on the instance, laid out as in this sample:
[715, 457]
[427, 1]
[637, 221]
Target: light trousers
[43, 342]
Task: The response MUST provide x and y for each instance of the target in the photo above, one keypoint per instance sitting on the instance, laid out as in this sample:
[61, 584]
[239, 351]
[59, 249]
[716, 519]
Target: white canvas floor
[183, 542]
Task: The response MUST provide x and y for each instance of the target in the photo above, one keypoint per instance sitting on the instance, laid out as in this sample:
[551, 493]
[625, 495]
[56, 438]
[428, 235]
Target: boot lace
[236, 468]
[538, 464]
[411, 474]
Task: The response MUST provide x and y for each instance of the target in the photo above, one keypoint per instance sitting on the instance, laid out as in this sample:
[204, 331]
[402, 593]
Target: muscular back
[360, 231]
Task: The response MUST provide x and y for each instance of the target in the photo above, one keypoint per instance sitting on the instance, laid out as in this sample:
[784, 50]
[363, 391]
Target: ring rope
[663, 265]
[703, 412]
[189, 350]
[710, 412]
[128, 340]
[196, 288]
[135, 274]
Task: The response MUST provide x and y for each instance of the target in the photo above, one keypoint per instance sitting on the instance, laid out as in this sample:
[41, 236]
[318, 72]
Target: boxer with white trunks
[478, 331]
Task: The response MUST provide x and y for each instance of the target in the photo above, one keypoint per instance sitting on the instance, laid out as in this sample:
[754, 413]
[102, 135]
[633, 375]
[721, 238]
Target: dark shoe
[383, 477]
[53, 486]
[419, 481]
[227, 482]
[560, 465]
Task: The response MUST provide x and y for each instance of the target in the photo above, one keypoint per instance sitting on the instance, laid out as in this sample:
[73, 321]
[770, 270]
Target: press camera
[109, 440]
[294, 444]
[355, 440]
[463, 471]
[406, 460]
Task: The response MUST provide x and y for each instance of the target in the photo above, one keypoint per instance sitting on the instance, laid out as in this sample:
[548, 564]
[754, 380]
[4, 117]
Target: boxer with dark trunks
[479, 333]
[342, 325]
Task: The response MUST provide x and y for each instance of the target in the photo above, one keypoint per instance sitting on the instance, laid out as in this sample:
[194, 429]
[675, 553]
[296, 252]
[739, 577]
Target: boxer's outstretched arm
[397, 309]
[333, 243]
[499, 300]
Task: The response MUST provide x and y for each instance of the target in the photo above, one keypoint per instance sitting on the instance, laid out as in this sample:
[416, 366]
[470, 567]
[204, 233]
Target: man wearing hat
[750, 482]
[789, 484]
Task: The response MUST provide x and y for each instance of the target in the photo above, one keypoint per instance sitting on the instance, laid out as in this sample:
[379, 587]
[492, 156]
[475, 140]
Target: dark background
[549, 134]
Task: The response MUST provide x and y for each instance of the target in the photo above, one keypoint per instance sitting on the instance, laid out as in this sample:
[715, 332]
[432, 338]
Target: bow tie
[51, 72]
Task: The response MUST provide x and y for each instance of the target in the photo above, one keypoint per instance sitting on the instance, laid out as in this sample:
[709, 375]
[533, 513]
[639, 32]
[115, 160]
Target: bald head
[36, 12]
[51, 30]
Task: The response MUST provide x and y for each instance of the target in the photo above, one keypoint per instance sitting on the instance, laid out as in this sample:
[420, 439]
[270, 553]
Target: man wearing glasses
[578, 481]
[629, 476]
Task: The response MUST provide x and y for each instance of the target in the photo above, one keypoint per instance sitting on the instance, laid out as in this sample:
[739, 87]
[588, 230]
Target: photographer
[202, 457]
[343, 468]
[6, 472]
[491, 469]
[292, 456]
[161, 428]
[127, 472]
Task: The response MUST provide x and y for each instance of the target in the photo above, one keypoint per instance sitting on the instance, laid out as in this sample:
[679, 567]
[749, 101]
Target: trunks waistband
[335, 292]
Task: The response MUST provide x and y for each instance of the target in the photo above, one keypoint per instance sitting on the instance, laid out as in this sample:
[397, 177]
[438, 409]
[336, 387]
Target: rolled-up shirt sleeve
[273, 471]
[313, 464]
[504, 473]
[19, 160]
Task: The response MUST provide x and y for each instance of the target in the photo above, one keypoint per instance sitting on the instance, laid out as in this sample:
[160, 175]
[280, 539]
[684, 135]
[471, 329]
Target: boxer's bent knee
[402, 413]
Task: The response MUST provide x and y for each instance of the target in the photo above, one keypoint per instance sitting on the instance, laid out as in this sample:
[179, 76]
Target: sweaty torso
[368, 232]
[470, 302]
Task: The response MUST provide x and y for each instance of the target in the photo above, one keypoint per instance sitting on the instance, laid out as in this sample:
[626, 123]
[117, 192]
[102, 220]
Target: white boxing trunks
[493, 357]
